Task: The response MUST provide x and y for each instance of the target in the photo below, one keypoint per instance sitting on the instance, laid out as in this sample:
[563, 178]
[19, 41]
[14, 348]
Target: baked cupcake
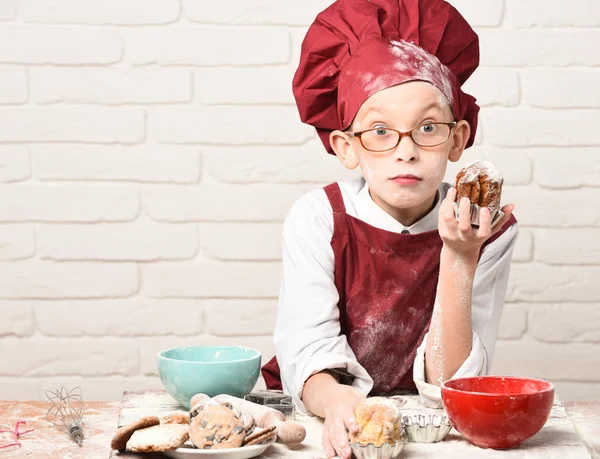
[481, 183]
[380, 434]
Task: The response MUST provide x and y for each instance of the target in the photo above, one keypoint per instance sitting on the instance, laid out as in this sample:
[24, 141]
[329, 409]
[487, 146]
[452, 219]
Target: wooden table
[46, 442]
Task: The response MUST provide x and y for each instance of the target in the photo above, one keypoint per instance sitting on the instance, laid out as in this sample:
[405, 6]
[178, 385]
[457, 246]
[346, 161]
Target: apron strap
[334, 194]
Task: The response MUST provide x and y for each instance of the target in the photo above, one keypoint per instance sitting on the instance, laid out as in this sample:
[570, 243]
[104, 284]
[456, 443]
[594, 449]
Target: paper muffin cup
[474, 214]
[426, 429]
[370, 451]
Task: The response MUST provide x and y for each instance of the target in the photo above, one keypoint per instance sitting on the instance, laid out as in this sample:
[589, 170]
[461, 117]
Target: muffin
[481, 183]
[380, 434]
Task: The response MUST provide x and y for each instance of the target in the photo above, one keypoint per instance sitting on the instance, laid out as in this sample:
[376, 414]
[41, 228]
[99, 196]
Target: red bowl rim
[492, 394]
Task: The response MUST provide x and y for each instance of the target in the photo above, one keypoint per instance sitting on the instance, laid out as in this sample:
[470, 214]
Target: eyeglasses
[383, 138]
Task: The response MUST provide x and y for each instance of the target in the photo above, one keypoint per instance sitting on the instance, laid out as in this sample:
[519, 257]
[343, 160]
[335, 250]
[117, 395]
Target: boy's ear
[341, 144]
[460, 137]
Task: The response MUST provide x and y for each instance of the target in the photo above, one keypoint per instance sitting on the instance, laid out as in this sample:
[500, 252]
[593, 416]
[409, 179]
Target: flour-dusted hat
[356, 48]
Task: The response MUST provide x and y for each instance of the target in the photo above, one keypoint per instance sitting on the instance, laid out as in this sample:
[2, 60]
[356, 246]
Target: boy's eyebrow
[430, 106]
[377, 111]
[373, 110]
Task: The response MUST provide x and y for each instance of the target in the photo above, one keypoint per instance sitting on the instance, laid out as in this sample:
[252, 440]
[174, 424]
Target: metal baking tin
[370, 451]
[273, 399]
[430, 428]
[474, 214]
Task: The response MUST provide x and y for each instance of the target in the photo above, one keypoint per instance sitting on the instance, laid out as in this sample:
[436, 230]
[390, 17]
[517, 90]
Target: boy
[382, 288]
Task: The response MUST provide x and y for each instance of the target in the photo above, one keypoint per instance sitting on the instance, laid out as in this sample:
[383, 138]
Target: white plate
[245, 452]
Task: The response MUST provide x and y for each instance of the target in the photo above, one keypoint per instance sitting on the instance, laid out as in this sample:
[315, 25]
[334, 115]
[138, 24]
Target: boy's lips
[406, 179]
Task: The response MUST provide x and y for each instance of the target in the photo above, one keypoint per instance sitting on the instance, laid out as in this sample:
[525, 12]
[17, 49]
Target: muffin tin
[430, 428]
[496, 215]
[370, 451]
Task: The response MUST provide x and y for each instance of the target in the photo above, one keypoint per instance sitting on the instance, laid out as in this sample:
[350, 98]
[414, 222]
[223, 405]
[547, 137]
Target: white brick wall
[149, 150]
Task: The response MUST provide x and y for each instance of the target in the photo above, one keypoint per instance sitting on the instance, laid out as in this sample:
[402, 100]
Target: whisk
[66, 411]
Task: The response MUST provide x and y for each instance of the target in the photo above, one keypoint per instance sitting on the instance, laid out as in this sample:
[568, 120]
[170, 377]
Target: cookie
[260, 437]
[164, 437]
[217, 427]
[198, 407]
[176, 418]
[124, 433]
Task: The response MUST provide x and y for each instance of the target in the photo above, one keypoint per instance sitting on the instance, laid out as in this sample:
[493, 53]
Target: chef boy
[382, 288]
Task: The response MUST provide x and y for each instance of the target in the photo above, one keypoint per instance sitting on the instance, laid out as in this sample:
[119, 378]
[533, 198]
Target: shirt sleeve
[307, 334]
[489, 291]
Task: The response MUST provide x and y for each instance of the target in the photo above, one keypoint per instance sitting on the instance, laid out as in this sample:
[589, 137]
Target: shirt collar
[368, 211]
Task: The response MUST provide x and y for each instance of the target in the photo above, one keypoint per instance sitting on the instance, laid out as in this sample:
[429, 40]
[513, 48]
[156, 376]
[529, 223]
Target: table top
[585, 417]
[100, 423]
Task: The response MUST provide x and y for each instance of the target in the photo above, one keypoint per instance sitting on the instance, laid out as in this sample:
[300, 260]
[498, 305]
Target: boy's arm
[327, 398]
[450, 338]
[307, 333]
[468, 306]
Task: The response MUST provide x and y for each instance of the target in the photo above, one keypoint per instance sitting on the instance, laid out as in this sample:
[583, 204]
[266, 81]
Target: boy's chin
[406, 199]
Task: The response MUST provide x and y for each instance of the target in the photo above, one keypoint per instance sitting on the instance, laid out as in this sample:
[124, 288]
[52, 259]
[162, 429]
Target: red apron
[387, 286]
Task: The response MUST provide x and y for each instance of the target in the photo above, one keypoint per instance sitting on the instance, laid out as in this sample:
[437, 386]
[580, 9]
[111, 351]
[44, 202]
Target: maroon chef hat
[356, 48]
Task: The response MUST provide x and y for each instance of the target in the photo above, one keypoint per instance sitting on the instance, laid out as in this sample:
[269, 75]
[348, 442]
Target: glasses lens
[379, 139]
[429, 135]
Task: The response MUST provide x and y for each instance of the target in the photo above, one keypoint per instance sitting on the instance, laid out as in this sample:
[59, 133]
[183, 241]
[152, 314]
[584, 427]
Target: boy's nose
[406, 150]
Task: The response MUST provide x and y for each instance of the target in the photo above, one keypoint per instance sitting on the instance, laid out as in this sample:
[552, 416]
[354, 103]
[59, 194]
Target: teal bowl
[211, 370]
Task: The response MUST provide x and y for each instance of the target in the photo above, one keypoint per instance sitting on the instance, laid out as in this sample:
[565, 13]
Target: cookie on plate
[124, 433]
[217, 427]
[164, 437]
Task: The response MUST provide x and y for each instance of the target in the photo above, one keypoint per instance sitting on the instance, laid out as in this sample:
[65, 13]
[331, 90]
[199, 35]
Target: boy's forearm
[451, 335]
[318, 390]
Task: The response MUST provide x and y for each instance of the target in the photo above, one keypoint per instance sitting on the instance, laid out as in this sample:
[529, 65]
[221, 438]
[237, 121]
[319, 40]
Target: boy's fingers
[339, 440]
[508, 208]
[450, 195]
[447, 207]
[327, 446]
[344, 450]
[464, 215]
[351, 423]
[485, 218]
[449, 199]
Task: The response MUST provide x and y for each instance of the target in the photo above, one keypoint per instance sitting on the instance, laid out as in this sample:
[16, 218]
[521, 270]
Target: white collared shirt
[307, 333]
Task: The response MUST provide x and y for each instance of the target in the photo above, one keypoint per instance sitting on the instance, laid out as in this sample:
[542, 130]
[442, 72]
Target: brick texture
[138, 163]
[581, 13]
[82, 203]
[111, 86]
[13, 85]
[15, 163]
[17, 242]
[72, 124]
[237, 46]
[60, 45]
[109, 12]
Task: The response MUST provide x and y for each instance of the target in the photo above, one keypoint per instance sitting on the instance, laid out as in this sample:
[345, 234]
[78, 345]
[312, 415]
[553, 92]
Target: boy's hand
[460, 236]
[339, 420]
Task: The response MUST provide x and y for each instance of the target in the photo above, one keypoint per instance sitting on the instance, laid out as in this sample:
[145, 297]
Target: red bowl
[496, 411]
